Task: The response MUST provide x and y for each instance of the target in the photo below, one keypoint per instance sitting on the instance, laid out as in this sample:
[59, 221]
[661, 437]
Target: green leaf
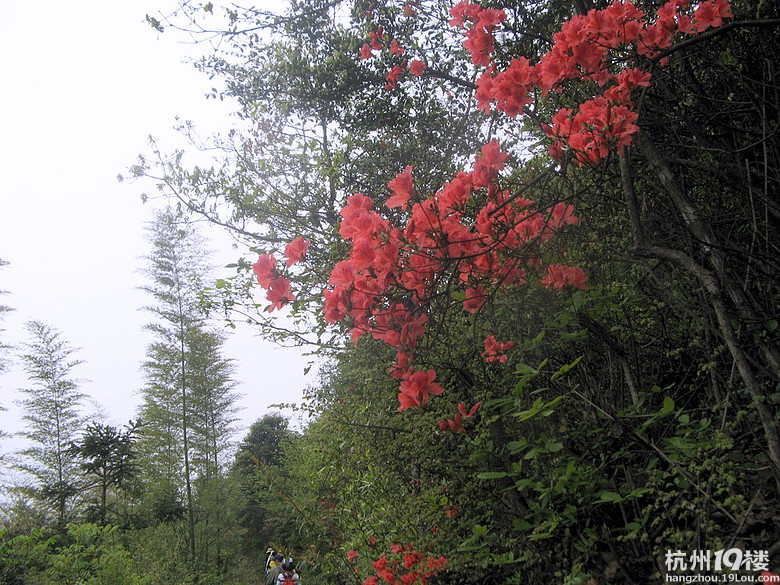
[533, 453]
[554, 447]
[727, 58]
[525, 369]
[611, 497]
[668, 406]
[578, 299]
[493, 475]
[517, 446]
[565, 369]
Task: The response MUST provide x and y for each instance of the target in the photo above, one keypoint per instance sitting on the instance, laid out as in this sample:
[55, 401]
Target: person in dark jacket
[288, 576]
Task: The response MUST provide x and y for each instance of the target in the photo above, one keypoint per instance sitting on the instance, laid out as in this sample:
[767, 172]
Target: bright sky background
[84, 85]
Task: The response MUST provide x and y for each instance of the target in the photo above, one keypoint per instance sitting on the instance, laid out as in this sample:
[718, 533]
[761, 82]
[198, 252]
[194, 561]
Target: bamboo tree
[3, 348]
[3, 309]
[212, 392]
[165, 413]
[188, 402]
[52, 415]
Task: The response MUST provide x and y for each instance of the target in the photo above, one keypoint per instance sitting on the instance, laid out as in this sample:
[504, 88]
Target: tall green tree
[214, 399]
[259, 456]
[4, 348]
[188, 400]
[52, 418]
[108, 456]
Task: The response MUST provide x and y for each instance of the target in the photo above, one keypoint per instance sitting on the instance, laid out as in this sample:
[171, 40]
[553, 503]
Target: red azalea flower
[559, 276]
[365, 51]
[475, 298]
[470, 413]
[402, 189]
[279, 293]
[417, 67]
[463, 12]
[495, 350]
[489, 164]
[265, 270]
[396, 48]
[392, 77]
[417, 387]
[296, 250]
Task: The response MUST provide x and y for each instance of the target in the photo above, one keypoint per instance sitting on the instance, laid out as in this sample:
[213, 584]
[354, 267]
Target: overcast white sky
[84, 85]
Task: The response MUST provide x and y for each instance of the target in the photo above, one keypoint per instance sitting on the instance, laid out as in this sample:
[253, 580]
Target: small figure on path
[288, 576]
[274, 569]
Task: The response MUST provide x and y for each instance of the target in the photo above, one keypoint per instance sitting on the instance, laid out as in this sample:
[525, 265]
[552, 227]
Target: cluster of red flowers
[456, 424]
[379, 41]
[270, 278]
[482, 23]
[392, 274]
[497, 351]
[589, 47]
[418, 569]
[593, 46]
[557, 276]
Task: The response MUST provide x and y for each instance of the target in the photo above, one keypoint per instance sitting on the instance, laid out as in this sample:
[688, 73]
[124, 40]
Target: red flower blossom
[392, 77]
[279, 293]
[418, 568]
[417, 67]
[396, 48]
[489, 164]
[470, 413]
[480, 44]
[412, 559]
[559, 276]
[417, 387]
[365, 51]
[296, 250]
[475, 298]
[495, 350]
[711, 14]
[456, 424]
[402, 189]
[463, 12]
[343, 274]
[265, 270]
[377, 37]
[562, 214]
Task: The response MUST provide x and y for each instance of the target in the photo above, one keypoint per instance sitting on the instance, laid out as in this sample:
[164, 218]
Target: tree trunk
[711, 285]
